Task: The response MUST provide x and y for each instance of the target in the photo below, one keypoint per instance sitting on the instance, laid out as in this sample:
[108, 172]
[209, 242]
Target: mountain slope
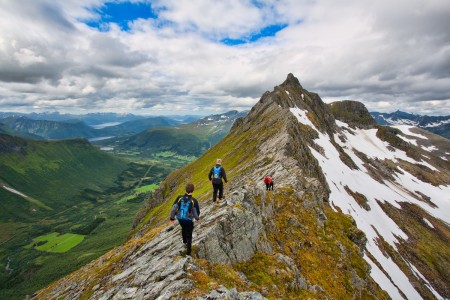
[66, 187]
[6, 130]
[437, 124]
[136, 126]
[50, 129]
[43, 169]
[295, 242]
[187, 139]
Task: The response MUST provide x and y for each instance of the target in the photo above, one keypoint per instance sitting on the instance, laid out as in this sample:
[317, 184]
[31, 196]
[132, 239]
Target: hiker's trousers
[218, 187]
[187, 227]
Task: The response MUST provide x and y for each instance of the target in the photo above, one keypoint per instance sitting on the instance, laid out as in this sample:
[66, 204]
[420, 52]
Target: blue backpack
[185, 209]
[216, 173]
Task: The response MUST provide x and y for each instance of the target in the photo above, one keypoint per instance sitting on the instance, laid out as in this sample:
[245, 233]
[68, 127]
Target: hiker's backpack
[185, 208]
[216, 174]
[267, 180]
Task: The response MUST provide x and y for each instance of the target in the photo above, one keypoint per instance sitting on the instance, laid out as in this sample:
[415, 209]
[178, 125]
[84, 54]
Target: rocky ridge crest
[284, 244]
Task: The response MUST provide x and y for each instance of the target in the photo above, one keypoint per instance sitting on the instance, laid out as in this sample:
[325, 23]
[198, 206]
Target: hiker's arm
[197, 207]
[194, 210]
[224, 175]
[210, 174]
[173, 211]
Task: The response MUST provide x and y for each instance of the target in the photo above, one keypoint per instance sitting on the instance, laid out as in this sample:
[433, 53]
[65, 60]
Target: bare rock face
[235, 238]
[353, 113]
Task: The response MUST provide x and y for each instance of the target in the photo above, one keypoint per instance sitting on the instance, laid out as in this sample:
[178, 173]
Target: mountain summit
[358, 211]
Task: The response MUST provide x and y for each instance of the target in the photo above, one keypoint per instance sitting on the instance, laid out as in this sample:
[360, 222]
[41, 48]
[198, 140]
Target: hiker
[269, 182]
[215, 177]
[186, 209]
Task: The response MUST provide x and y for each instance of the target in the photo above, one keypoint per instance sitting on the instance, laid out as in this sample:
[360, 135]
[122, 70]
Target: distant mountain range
[89, 119]
[99, 126]
[437, 124]
[187, 139]
[49, 129]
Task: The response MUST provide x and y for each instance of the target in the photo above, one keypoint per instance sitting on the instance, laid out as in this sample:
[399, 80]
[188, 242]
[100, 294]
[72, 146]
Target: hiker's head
[189, 188]
[219, 161]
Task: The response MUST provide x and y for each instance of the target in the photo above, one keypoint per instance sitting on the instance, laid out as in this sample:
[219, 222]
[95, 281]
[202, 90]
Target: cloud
[389, 55]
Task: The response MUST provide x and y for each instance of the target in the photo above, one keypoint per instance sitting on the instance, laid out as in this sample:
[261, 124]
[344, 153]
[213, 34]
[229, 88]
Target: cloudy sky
[204, 56]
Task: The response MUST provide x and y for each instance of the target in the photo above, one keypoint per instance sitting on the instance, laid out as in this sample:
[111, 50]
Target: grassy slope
[188, 139]
[54, 171]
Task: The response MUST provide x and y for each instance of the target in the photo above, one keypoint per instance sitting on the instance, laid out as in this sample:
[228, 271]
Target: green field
[126, 199]
[57, 243]
[146, 188]
[138, 191]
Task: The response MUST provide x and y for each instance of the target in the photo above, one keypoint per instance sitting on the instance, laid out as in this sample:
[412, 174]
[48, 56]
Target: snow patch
[428, 223]
[407, 130]
[367, 142]
[402, 122]
[427, 283]
[411, 141]
[437, 124]
[429, 148]
[382, 280]
[301, 116]
[287, 92]
[341, 124]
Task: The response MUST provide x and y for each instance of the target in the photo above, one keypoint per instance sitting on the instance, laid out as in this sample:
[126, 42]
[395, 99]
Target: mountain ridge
[437, 124]
[273, 244]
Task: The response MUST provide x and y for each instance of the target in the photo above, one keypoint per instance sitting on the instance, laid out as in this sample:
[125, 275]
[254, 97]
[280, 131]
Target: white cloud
[388, 55]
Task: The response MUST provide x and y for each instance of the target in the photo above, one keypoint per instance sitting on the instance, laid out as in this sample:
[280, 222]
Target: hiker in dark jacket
[215, 176]
[186, 209]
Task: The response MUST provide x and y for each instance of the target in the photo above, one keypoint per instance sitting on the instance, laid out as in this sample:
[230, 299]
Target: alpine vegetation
[358, 211]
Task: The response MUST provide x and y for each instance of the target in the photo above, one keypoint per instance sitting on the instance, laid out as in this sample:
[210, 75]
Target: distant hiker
[186, 209]
[215, 176]
[269, 182]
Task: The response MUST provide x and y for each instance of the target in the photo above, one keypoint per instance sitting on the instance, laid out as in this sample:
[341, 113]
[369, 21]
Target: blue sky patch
[121, 13]
[268, 31]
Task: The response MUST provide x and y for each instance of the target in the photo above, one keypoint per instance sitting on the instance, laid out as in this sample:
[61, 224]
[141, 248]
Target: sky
[201, 56]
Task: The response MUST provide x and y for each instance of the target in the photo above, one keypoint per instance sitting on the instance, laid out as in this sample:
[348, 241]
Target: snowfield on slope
[376, 222]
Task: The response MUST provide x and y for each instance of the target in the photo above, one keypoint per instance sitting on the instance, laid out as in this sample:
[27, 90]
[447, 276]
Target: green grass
[140, 190]
[126, 199]
[147, 188]
[57, 243]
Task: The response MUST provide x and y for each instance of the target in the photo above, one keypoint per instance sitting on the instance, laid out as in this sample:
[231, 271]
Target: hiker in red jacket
[269, 183]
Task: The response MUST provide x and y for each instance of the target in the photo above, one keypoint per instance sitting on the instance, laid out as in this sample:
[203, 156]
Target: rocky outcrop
[353, 113]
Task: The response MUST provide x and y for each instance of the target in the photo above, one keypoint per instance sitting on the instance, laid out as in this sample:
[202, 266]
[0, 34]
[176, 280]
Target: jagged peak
[291, 80]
